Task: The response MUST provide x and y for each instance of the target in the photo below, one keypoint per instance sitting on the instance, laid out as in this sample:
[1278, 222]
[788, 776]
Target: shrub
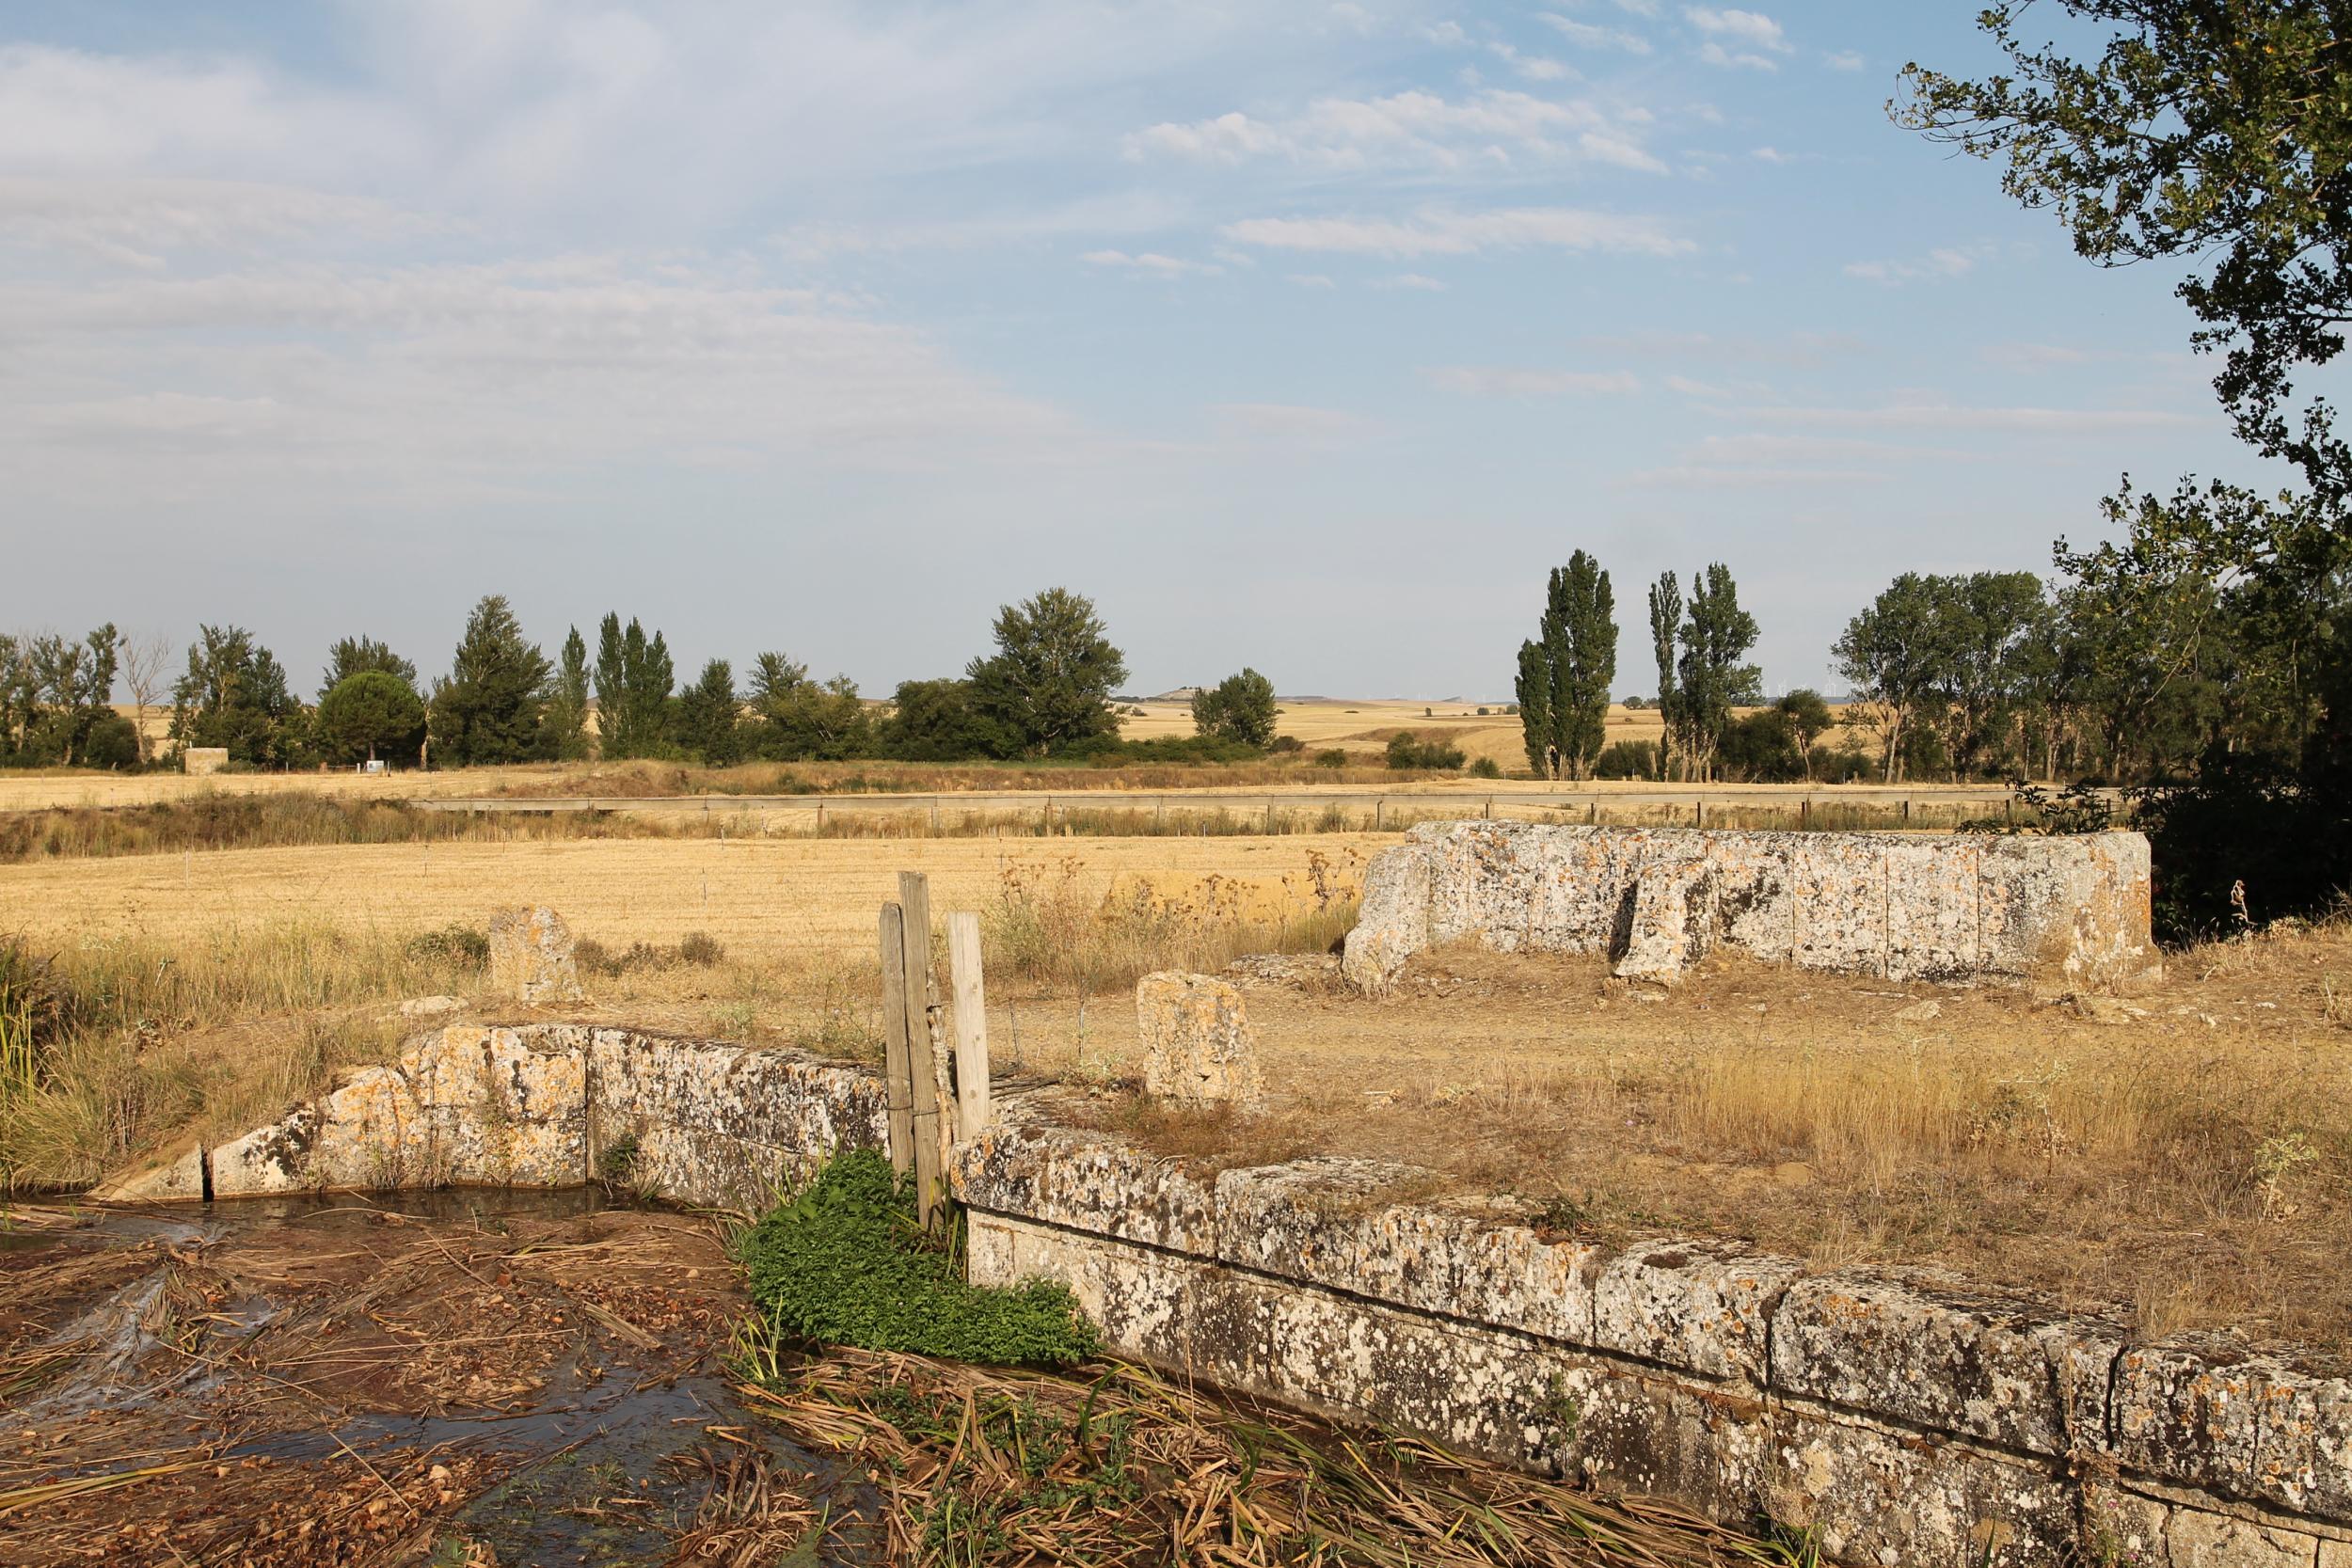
[1334, 757]
[701, 949]
[1486, 768]
[845, 1263]
[1284, 744]
[1627, 759]
[1407, 751]
[462, 945]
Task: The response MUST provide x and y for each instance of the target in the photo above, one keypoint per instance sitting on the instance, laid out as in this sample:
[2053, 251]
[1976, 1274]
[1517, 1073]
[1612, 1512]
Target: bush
[1486, 768]
[1433, 752]
[1334, 757]
[1282, 745]
[1627, 759]
[701, 949]
[463, 945]
[845, 1263]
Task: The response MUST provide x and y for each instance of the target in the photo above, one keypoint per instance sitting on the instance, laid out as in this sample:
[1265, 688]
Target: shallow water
[603, 1462]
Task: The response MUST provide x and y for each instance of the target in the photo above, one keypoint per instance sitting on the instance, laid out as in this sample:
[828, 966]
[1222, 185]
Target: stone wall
[557, 1105]
[1909, 1419]
[2070, 910]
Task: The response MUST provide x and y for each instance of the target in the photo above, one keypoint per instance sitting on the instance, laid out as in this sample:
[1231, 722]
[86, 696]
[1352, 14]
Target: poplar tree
[1665, 625]
[1564, 674]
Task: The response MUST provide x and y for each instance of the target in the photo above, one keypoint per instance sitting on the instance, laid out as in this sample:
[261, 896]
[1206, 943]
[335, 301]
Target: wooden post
[1906, 810]
[1379, 808]
[1269, 818]
[1804, 814]
[2008, 811]
[915, 899]
[1491, 808]
[971, 1006]
[1592, 814]
[1698, 813]
[897, 1064]
[820, 819]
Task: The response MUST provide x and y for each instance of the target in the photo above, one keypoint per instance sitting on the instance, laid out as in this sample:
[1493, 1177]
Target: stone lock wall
[2071, 911]
[1907, 1418]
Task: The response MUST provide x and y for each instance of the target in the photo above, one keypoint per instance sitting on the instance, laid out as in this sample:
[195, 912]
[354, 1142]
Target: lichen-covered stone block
[532, 959]
[1198, 1046]
[1936, 1357]
[2212, 1415]
[180, 1181]
[1322, 1220]
[2194, 1538]
[1086, 1183]
[1872, 1494]
[1691, 1306]
[2070, 910]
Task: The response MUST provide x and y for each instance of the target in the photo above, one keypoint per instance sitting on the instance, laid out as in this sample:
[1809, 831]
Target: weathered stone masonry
[1910, 1419]
[2072, 910]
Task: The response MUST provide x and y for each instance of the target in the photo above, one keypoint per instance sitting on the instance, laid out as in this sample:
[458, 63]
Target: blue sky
[1305, 336]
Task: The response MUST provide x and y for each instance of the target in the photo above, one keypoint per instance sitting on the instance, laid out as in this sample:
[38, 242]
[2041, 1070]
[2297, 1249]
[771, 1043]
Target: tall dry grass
[1070, 931]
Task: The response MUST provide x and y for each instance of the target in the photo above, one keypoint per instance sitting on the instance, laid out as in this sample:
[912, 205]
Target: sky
[1300, 334]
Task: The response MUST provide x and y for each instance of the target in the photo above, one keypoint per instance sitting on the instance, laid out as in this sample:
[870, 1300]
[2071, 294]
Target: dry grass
[2184, 1156]
[763, 898]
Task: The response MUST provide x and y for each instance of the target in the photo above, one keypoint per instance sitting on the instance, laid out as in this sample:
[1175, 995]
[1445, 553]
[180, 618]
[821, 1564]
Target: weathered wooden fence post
[898, 1066]
[914, 899]
[971, 1014]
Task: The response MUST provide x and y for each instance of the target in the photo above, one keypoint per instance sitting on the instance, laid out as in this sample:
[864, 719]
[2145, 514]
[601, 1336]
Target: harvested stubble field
[764, 898]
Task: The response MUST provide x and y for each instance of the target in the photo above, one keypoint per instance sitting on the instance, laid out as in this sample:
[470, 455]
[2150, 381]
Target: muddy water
[460, 1378]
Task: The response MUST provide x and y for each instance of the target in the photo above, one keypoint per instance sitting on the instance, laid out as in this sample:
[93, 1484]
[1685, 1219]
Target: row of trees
[1045, 689]
[1566, 672]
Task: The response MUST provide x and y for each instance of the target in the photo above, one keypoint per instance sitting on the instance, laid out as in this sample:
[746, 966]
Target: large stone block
[1086, 1183]
[1691, 1306]
[2070, 910]
[1932, 1357]
[1198, 1046]
[532, 959]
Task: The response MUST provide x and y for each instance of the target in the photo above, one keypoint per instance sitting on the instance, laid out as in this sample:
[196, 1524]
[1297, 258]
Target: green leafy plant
[845, 1263]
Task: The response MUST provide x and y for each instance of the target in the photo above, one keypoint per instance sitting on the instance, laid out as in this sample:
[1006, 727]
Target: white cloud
[1715, 54]
[1734, 38]
[2032, 357]
[1410, 280]
[1752, 29]
[1309, 280]
[1505, 381]
[1491, 124]
[1946, 262]
[1437, 232]
[1588, 35]
[1151, 264]
[1845, 59]
[1535, 68]
[1949, 417]
[1447, 33]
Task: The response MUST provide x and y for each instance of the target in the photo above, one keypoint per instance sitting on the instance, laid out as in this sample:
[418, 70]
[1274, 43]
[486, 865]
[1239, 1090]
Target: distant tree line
[1044, 691]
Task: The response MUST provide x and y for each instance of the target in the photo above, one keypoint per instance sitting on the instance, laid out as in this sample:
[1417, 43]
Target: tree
[1809, 719]
[370, 713]
[1534, 689]
[490, 708]
[942, 720]
[567, 702]
[143, 660]
[1710, 675]
[1567, 671]
[1048, 686]
[353, 656]
[1239, 708]
[708, 716]
[1665, 622]
[233, 695]
[634, 678]
[1888, 655]
[797, 718]
[2210, 130]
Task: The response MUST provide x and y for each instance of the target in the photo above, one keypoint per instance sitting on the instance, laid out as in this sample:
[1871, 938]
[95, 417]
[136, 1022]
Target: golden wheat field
[776, 898]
